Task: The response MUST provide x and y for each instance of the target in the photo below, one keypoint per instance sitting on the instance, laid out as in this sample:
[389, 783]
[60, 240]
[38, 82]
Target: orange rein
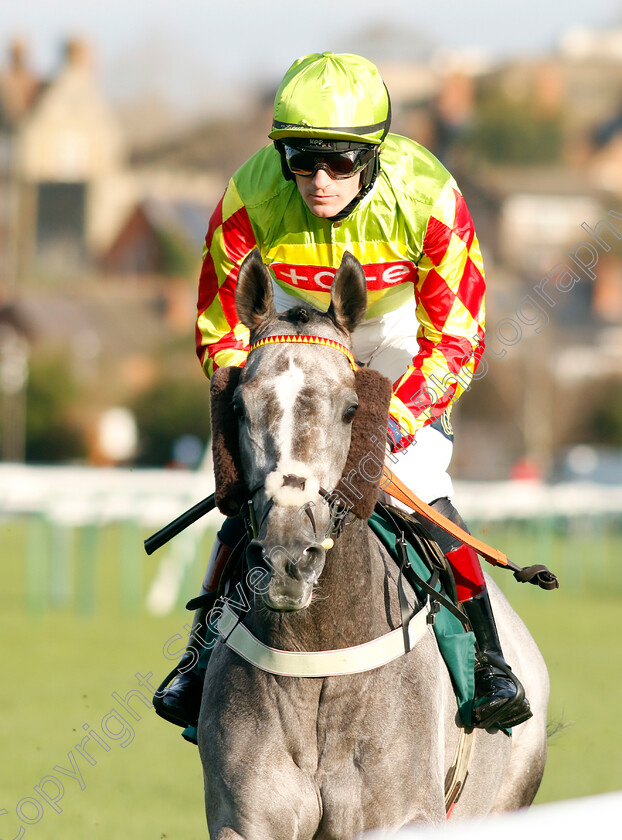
[392, 485]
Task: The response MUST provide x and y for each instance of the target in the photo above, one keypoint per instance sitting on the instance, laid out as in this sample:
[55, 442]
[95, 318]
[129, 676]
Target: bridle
[338, 508]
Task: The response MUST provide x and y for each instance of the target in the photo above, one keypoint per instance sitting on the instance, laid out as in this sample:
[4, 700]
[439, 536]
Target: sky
[200, 52]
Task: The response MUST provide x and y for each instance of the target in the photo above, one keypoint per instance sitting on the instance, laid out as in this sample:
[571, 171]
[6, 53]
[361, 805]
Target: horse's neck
[348, 606]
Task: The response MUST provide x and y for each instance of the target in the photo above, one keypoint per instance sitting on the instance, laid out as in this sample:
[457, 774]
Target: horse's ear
[253, 294]
[348, 298]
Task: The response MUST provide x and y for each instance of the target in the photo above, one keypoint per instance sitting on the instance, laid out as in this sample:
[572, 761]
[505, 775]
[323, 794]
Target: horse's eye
[348, 414]
[238, 409]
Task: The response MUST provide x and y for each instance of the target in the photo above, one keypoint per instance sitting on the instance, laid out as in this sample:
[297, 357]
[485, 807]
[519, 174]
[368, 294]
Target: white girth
[320, 663]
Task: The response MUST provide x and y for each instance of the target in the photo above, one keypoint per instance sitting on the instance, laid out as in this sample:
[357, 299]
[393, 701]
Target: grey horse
[331, 757]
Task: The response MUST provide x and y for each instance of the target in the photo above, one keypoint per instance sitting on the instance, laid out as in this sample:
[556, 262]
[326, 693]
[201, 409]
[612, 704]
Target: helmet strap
[287, 173]
[368, 179]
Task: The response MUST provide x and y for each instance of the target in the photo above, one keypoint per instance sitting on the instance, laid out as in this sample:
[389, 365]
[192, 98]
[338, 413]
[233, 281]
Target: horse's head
[295, 403]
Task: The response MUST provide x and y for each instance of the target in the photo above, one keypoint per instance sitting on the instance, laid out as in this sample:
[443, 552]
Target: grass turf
[61, 672]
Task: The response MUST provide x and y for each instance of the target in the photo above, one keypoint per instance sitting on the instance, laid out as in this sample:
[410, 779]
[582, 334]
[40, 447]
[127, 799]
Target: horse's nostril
[308, 564]
[314, 552]
[294, 481]
[312, 560]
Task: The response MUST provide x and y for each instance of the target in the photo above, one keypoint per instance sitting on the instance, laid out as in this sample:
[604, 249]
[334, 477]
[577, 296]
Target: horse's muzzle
[294, 572]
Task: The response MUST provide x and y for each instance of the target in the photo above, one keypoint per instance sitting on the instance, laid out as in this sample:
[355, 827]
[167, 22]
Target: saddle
[420, 560]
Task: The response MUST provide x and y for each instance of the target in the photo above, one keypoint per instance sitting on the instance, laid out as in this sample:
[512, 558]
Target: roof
[541, 180]
[19, 88]
[222, 145]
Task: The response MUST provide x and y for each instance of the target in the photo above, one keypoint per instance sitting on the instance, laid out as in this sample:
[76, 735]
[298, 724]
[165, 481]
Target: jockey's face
[326, 196]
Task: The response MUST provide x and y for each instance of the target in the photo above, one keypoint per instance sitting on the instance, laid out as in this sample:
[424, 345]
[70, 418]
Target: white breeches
[423, 466]
[388, 345]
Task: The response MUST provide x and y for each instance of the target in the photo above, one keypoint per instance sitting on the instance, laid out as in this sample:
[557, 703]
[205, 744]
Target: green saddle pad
[457, 645]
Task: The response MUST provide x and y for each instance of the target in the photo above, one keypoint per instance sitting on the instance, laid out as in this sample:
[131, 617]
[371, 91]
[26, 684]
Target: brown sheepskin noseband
[358, 487]
[231, 491]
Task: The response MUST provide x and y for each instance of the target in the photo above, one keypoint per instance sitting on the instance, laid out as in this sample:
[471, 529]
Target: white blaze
[287, 386]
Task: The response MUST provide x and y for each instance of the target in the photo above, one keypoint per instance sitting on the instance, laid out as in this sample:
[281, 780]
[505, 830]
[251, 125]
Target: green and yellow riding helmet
[332, 102]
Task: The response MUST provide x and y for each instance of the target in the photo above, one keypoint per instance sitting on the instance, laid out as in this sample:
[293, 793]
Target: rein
[538, 575]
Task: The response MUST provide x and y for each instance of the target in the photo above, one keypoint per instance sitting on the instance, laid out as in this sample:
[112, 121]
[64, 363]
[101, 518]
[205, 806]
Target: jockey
[335, 179]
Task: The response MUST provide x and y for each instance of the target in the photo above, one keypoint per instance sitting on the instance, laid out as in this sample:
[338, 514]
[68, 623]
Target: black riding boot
[499, 696]
[180, 702]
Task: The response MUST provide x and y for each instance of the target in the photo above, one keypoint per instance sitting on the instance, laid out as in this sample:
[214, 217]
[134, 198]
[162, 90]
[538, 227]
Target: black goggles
[337, 164]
